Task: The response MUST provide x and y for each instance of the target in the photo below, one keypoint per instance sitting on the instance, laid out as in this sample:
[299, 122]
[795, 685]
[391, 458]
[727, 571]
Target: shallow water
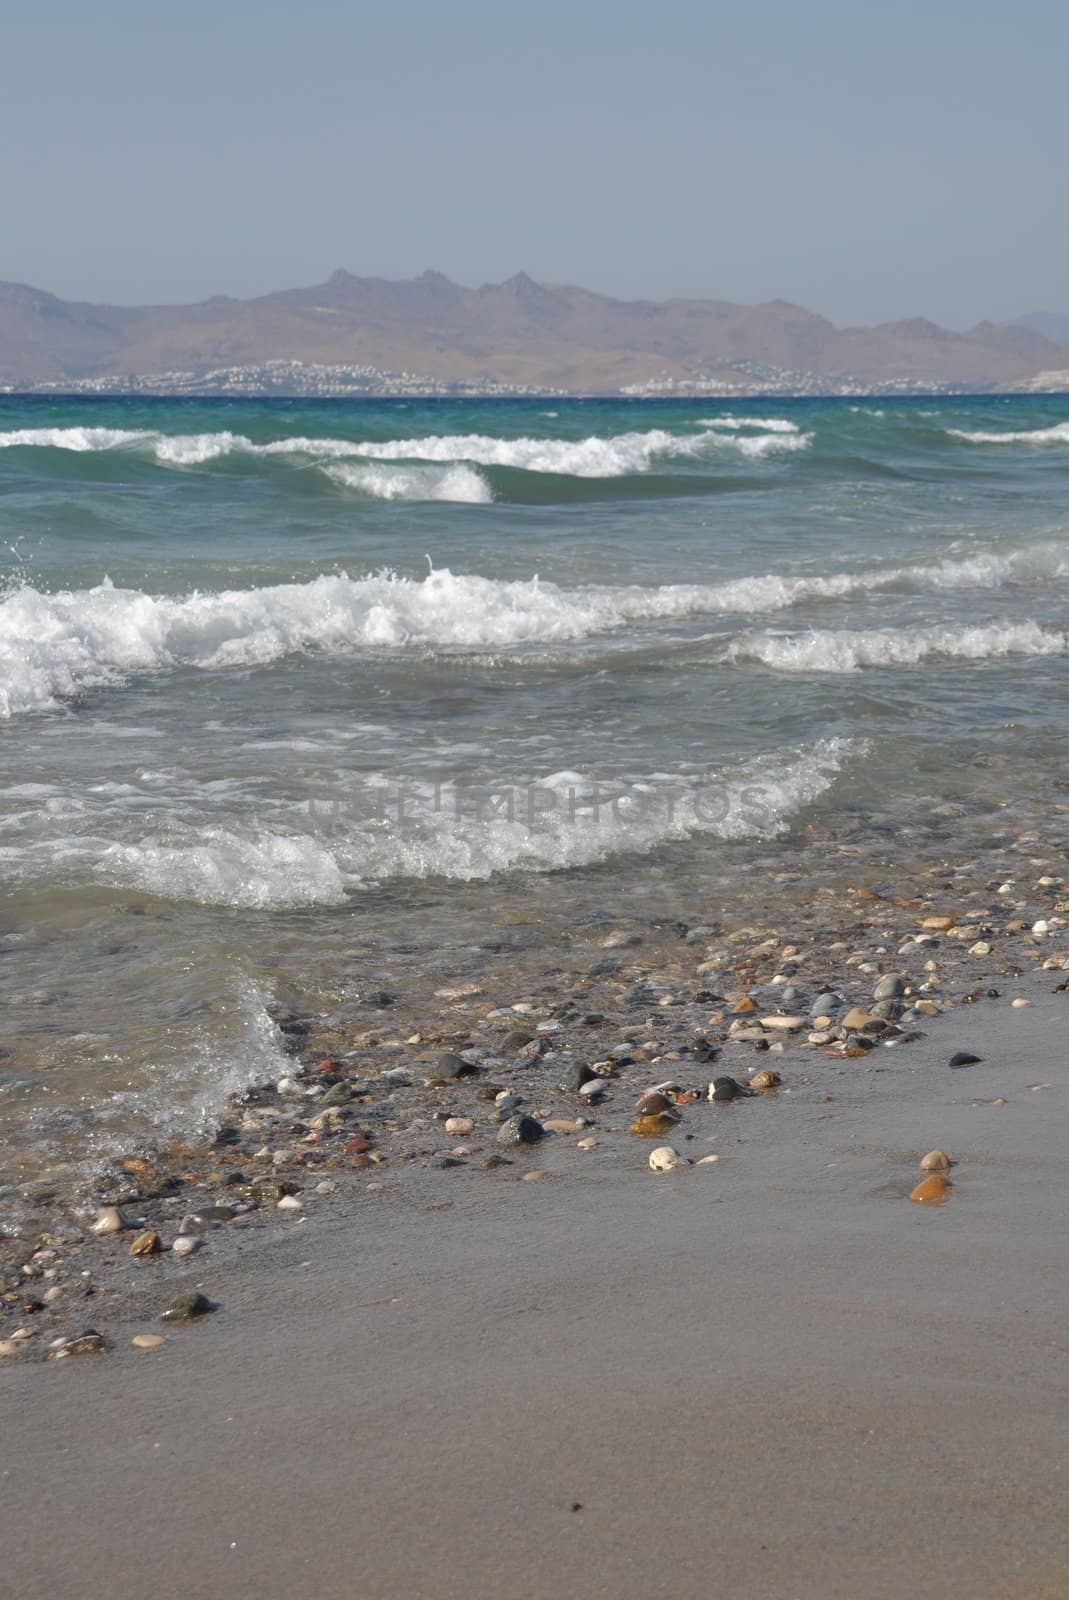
[299, 697]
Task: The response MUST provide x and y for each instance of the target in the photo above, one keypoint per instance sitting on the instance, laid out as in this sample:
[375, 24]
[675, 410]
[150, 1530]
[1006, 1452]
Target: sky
[867, 161]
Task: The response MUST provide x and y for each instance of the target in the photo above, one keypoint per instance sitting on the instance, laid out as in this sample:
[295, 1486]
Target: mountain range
[518, 333]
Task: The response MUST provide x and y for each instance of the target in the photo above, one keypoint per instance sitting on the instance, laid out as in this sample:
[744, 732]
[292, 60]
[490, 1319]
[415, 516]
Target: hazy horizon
[868, 167]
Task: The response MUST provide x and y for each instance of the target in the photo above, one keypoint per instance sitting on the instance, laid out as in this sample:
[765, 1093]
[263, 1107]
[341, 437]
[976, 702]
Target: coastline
[768, 1375]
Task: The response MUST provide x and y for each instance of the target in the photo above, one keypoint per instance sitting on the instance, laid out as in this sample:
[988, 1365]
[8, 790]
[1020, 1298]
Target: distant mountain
[1052, 325]
[517, 333]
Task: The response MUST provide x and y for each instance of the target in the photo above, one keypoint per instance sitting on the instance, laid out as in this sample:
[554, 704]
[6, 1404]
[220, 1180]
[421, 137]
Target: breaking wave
[850, 650]
[1057, 434]
[613, 456]
[55, 645]
[458, 483]
[273, 862]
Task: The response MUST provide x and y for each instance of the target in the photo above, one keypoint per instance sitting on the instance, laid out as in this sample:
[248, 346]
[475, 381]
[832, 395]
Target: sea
[304, 703]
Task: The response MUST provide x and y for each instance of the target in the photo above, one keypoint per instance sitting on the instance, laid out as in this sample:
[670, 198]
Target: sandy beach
[772, 1376]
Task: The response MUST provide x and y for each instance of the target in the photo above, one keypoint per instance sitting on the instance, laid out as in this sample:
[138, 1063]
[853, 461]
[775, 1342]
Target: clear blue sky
[867, 160]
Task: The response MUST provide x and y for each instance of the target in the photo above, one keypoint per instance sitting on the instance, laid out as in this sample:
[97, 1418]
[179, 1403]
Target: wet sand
[770, 1377]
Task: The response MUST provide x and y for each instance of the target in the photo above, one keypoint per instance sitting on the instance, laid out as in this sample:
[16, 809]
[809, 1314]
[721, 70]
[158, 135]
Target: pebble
[533, 1177]
[561, 1125]
[459, 1125]
[722, 1089]
[930, 1191]
[573, 1077]
[89, 1343]
[765, 1079]
[652, 1103]
[186, 1244]
[587, 1144]
[592, 1089]
[187, 1307]
[327, 1186]
[665, 1159]
[289, 1202]
[147, 1244]
[784, 1024]
[941, 924]
[147, 1341]
[890, 987]
[8, 1347]
[706, 1161]
[459, 991]
[619, 939]
[980, 948]
[520, 1130]
[963, 1058]
[935, 1161]
[109, 1220]
[1019, 1005]
[857, 1018]
[654, 1127]
[450, 1067]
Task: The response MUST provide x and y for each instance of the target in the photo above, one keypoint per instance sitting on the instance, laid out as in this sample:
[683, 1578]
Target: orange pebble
[930, 1191]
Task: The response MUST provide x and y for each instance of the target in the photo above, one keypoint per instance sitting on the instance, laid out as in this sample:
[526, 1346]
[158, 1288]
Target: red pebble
[357, 1144]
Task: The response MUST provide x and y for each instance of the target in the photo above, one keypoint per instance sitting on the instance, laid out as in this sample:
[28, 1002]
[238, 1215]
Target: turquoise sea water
[301, 696]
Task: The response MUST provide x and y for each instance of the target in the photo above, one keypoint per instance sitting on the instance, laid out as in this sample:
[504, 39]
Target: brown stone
[930, 1191]
[653, 1127]
[147, 1244]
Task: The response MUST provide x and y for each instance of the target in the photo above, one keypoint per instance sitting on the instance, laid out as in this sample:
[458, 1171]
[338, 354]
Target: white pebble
[1019, 1005]
[289, 1202]
[459, 1125]
[706, 1161]
[185, 1244]
[665, 1159]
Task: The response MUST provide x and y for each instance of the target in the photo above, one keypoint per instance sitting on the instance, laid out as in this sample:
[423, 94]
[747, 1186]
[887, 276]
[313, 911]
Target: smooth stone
[289, 1202]
[451, 1066]
[186, 1308]
[89, 1343]
[889, 988]
[587, 1144]
[706, 1161]
[592, 1089]
[939, 924]
[147, 1244]
[784, 1024]
[723, 1089]
[652, 1103]
[963, 1058]
[561, 1125]
[573, 1077]
[108, 1220]
[935, 1161]
[8, 1347]
[147, 1341]
[821, 1036]
[520, 1130]
[930, 1191]
[459, 1125]
[186, 1244]
[619, 939]
[980, 948]
[825, 1005]
[533, 1177]
[654, 1127]
[765, 1079]
[1019, 1005]
[665, 1159]
[857, 1018]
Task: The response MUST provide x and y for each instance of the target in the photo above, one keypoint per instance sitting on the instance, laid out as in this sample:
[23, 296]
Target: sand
[767, 1379]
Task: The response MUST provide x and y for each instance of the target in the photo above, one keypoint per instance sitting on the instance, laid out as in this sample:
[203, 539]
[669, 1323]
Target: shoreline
[768, 1376]
[419, 1100]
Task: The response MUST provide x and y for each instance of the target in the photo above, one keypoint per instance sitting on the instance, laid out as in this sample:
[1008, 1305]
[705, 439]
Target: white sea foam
[764, 424]
[294, 856]
[458, 483]
[849, 650]
[82, 440]
[55, 645]
[613, 456]
[1058, 434]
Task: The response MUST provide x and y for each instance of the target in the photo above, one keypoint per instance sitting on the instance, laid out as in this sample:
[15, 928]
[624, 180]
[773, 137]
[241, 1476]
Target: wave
[1058, 434]
[54, 646]
[457, 483]
[612, 456]
[851, 650]
[553, 823]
